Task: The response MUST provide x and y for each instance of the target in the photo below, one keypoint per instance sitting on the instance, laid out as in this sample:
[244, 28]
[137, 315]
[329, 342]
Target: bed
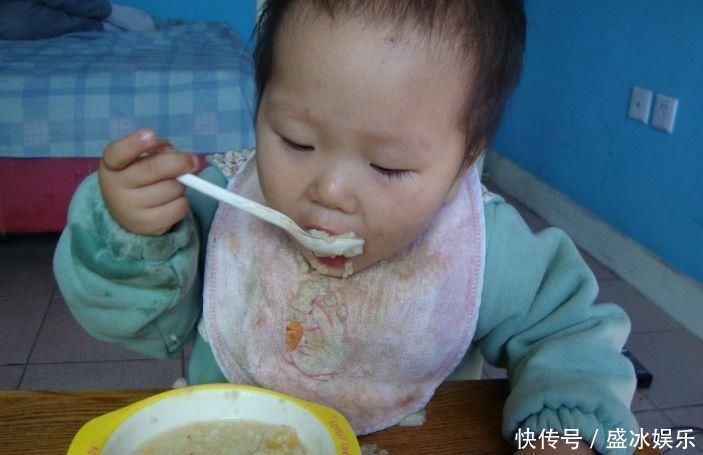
[63, 99]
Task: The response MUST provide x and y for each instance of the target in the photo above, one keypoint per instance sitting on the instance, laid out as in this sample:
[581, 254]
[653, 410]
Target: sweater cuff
[611, 438]
[128, 245]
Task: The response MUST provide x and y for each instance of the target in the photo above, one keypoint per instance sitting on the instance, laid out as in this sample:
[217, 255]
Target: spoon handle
[249, 206]
[324, 246]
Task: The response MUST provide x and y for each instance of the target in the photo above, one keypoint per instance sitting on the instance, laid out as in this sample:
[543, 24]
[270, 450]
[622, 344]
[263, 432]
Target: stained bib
[373, 346]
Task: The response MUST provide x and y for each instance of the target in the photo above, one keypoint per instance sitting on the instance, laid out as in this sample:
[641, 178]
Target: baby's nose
[334, 189]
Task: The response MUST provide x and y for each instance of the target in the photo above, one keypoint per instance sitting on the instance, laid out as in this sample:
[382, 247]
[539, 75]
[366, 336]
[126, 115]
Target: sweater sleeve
[562, 352]
[140, 292]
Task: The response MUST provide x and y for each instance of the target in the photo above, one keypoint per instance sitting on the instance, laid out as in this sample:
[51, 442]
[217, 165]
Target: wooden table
[462, 418]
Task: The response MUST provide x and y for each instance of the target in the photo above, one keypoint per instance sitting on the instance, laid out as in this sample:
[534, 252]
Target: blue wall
[241, 14]
[567, 121]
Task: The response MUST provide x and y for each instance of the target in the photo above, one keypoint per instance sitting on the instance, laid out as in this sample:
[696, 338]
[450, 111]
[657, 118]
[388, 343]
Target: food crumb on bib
[348, 269]
[303, 266]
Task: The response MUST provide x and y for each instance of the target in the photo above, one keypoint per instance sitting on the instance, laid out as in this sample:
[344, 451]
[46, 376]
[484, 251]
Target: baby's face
[358, 131]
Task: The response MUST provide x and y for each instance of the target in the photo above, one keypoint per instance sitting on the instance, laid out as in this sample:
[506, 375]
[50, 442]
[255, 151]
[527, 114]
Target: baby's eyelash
[391, 173]
[290, 145]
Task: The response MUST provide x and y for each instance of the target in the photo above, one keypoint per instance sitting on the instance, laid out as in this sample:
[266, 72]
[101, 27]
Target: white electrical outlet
[640, 102]
[664, 115]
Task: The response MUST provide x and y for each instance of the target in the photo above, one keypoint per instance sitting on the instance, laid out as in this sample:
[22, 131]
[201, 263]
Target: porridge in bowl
[225, 437]
[218, 419]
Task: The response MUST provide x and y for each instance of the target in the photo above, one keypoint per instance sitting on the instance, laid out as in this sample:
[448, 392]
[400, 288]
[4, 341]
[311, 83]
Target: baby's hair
[489, 33]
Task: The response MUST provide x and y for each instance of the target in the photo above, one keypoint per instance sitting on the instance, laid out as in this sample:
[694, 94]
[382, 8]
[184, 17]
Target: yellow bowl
[322, 430]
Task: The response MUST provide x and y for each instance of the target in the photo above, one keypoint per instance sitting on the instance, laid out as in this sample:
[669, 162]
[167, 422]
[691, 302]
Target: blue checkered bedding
[69, 96]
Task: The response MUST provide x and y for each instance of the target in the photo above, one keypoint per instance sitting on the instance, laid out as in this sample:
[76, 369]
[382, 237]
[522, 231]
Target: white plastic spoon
[324, 245]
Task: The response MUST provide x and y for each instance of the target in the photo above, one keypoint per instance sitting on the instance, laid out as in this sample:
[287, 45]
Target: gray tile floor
[42, 347]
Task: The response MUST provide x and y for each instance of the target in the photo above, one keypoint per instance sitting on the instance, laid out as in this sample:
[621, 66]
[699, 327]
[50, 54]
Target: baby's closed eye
[294, 146]
[391, 173]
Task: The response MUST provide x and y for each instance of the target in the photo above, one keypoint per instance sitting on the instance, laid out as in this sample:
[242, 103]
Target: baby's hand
[137, 179]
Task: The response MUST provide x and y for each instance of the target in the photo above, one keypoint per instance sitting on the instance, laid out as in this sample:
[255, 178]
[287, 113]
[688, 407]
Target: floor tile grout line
[23, 299]
[657, 410]
[686, 406]
[651, 331]
[36, 338]
[683, 331]
[666, 417]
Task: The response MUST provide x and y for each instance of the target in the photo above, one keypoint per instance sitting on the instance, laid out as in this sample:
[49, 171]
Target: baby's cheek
[278, 200]
[388, 242]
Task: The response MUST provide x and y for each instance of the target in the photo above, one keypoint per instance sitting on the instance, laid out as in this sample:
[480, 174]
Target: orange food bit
[294, 333]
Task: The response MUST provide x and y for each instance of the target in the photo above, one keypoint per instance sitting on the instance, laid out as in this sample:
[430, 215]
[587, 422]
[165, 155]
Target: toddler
[370, 116]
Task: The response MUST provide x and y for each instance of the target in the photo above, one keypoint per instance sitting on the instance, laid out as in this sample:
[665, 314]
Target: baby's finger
[161, 145]
[160, 219]
[160, 166]
[121, 153]
[159, 193]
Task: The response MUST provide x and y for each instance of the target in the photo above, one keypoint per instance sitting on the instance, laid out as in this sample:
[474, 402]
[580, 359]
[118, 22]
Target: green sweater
[537, 316]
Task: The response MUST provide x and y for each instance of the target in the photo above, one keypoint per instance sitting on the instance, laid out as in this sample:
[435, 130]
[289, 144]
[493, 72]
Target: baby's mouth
[335, 261]
[325, 229]
[323, 264]
[329, 261]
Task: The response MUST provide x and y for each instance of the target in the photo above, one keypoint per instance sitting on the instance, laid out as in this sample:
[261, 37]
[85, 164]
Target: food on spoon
[328, 238]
